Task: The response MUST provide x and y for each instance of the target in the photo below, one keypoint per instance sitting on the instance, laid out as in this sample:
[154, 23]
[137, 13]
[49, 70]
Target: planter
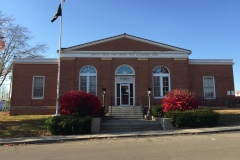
[96, 125]
[165, 123]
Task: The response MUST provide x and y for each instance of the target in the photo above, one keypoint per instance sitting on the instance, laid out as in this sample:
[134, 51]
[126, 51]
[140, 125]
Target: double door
[125, 96]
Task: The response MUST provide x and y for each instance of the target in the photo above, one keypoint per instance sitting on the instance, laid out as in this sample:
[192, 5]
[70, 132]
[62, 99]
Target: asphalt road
[223, 146]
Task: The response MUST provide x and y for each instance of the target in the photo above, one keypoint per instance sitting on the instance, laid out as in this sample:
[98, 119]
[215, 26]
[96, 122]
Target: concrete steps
[127, 125]
[126, 119]
[125, 112]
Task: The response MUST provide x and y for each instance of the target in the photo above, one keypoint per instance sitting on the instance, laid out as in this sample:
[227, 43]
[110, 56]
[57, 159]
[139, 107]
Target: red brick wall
[182, 75]
[142, 78]
[223, 75]
[67, 76]
[123, 44]
[179, 73]
[22, 88]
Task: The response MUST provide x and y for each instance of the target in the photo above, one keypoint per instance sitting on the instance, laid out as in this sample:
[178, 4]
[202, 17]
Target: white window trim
[161, 75]
[87, 75]
[125, 78]
[122, 74]
[214, 89]
[33, 88]
[161, 86]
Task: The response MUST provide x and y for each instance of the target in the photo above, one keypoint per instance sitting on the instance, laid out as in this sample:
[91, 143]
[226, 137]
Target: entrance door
[124, 94]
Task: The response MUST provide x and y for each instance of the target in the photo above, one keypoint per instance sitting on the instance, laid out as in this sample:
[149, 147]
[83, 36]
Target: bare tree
[16, 39]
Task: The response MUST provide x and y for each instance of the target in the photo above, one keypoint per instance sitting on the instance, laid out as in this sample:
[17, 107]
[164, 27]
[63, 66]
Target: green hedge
[157, 111]
[193, 118]
[68, 125]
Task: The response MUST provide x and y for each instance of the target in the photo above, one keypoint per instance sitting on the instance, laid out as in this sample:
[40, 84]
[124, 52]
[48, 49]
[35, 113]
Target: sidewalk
[52, 139]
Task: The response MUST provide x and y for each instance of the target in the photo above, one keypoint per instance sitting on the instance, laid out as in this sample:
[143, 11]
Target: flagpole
[59, 64]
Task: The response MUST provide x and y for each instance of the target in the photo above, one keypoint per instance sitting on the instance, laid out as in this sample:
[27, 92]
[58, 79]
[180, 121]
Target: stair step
[125, 112]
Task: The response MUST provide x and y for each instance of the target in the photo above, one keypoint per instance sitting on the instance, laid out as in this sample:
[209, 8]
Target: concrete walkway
[52, 139]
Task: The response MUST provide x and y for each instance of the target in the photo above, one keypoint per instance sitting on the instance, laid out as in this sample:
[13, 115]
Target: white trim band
[211, 61]
[125, 54]
[35, 61]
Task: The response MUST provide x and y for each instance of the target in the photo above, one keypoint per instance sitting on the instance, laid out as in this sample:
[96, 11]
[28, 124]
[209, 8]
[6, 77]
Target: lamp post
[102, 111]
[103, 94]
[149, 91]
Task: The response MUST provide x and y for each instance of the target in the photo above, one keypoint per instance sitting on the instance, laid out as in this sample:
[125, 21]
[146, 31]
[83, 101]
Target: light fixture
[104, 91]
[149, 91]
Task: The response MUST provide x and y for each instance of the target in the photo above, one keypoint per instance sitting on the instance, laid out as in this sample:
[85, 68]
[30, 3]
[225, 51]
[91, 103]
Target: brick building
[126, 66]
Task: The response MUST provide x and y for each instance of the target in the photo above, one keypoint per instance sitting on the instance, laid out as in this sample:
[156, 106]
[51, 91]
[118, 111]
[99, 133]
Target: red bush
[179, 99]
[80, 104]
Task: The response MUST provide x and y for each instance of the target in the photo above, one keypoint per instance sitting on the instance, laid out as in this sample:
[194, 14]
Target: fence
[220, 102]
[230, 102]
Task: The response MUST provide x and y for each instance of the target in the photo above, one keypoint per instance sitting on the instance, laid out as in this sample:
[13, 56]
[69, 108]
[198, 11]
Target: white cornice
[122, 54]
[125, 54]
[35, 61]
[211, 61]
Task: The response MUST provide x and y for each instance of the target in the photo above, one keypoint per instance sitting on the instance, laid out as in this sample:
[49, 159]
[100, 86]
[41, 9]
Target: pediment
[124, 42]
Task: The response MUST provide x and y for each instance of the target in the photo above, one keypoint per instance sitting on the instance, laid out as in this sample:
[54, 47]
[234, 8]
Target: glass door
[124, 94]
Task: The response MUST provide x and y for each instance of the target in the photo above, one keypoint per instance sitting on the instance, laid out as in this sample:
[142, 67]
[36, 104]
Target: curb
[60, 139]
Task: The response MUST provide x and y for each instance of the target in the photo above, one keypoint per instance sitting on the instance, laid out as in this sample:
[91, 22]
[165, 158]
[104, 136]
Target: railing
[111, 104]
[220, 102]
[141, 105]
[230, 102]
[144, 104]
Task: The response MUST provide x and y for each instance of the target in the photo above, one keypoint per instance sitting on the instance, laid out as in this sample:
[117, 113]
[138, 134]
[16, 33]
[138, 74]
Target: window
[38, 87]
[124, 70]
[161, 81]
[209, 87]
[88, 79]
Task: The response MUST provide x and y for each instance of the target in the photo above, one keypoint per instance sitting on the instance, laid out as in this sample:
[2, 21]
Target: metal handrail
[141, 105]
[111, 106]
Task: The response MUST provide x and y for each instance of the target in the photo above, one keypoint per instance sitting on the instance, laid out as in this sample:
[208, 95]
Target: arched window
[124, 69]
[161, 81]
[88, 79]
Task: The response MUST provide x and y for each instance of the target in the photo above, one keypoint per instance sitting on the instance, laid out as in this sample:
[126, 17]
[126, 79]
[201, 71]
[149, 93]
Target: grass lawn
[34, 126]
[22, 126]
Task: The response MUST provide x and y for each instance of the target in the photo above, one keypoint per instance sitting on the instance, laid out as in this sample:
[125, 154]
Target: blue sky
[209, 28]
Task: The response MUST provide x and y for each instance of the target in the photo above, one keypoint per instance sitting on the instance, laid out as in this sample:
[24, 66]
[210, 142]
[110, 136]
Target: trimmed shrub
[179, 99]
[80, 104]
[157, 111]
[68, 125]
[193, 118]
